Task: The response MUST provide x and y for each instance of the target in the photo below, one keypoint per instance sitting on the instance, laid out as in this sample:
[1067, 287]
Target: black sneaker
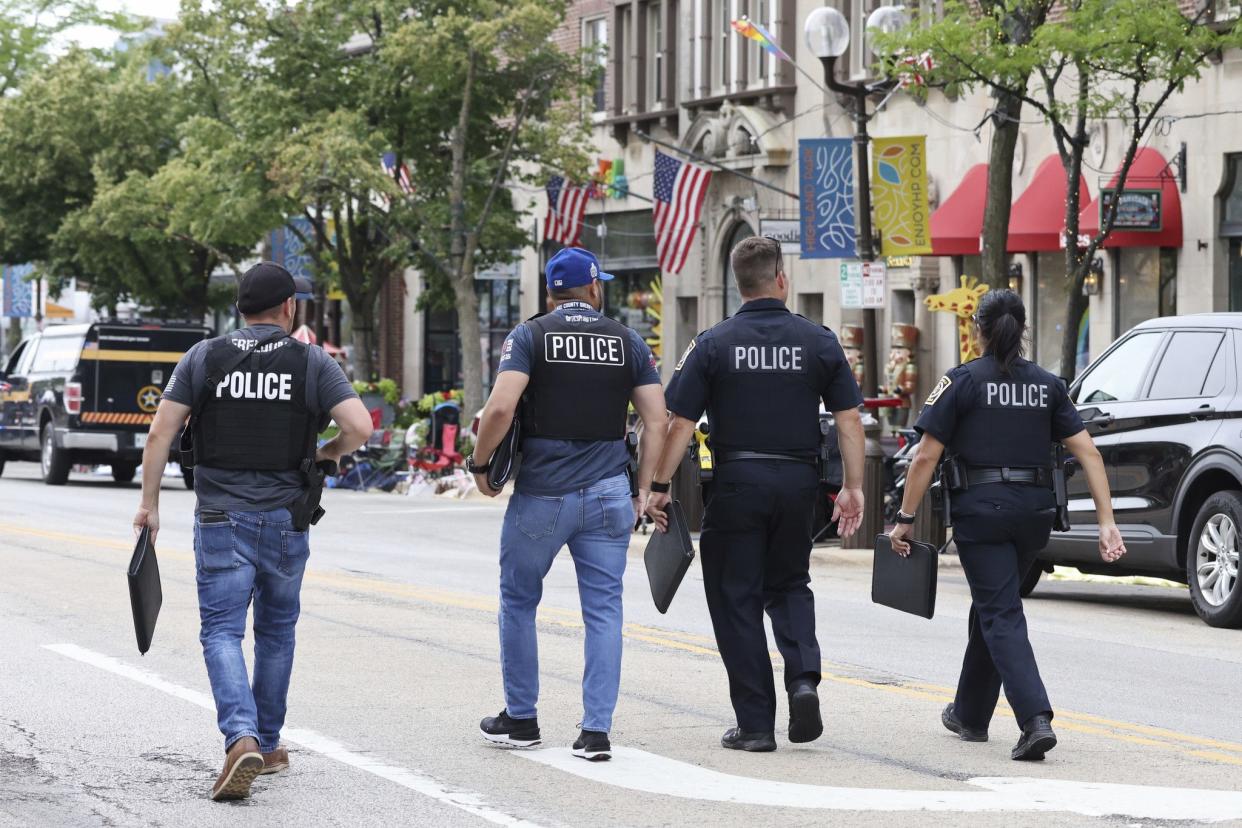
[805, 724]
[1037, 739]
[737, 739]
[948, 718]
[593, 746]
[503, 729]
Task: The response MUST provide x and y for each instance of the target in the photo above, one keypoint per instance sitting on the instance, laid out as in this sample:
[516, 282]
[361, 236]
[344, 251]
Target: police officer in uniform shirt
[252, 431]
[999, 415]
[574, 372]
[761, 376]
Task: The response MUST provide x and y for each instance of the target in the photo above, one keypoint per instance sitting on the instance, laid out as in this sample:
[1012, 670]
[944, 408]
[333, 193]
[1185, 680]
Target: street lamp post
[828, 36]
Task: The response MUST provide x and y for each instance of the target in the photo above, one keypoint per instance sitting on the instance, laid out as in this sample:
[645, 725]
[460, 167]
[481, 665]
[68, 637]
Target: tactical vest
[257, 417]
[1006, 419]
[766, 384]
[580, 380]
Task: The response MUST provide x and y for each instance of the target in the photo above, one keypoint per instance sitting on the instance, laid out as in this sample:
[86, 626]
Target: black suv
[87, 394]
[1165, 409]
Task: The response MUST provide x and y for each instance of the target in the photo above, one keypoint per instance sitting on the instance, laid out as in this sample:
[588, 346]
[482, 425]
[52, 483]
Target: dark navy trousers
[756, 552]
[998, 529]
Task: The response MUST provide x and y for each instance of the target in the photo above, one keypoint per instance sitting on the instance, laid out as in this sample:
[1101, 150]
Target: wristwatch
[475, 468]
[902, 517]
[661, 488]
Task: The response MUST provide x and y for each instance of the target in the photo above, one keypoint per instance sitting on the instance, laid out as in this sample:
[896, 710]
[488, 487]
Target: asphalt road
[397, 662]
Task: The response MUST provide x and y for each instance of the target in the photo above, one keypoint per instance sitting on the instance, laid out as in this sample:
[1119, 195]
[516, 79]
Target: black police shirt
[990, 418]
[761, 375]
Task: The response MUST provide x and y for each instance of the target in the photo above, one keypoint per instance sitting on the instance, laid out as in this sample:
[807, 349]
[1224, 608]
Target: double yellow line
[1157, 738]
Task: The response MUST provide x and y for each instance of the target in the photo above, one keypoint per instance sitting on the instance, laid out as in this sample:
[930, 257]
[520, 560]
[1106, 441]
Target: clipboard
[506, 457]
[146, 596]
[668, 556]
[906, 584]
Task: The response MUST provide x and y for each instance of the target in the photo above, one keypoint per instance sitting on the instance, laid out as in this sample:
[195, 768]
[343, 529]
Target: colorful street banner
[826, 198]
[899, 195]
[18, 292]
[289, 252]
[750, 29]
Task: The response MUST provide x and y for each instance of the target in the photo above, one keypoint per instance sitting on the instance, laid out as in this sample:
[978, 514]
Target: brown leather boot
[242, 764]
[276, 761]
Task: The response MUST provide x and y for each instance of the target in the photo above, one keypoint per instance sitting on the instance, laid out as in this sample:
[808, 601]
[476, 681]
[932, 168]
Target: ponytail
[1002, 322]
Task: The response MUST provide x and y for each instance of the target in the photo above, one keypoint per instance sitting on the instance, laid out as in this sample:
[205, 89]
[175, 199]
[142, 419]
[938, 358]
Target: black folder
[505, 458]
[906, 584]
[668, 556]
[145, 593]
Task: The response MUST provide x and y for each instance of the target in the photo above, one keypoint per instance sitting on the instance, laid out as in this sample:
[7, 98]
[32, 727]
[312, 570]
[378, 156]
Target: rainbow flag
[749, 28]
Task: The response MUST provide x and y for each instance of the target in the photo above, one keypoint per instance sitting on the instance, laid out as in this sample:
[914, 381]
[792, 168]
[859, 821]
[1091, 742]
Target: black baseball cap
[266, 285]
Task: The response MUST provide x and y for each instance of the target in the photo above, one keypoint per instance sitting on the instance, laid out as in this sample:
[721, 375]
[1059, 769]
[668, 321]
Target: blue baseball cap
[573, 267]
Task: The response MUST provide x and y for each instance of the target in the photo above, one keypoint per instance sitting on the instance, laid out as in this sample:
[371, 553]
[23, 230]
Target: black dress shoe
[805, 724]
[1037, 739]
[736, 739]
[967, 734]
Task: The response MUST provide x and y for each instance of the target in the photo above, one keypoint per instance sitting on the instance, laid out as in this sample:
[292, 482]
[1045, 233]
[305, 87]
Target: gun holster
[1061, 521]
[306, 510]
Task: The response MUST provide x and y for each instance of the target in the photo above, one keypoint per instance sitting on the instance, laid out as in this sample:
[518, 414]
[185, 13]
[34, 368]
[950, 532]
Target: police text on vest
[243, 385]
[1016, 395]
[767, 358]
[583, 348]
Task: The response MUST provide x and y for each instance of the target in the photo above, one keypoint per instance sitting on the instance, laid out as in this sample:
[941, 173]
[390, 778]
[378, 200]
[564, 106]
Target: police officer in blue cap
[998, 417]
[761, 376]
[574, 373]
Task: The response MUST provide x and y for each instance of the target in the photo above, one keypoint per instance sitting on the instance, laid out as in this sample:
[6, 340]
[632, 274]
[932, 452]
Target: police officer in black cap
[998, 416]
[761, 376]
[259, 400]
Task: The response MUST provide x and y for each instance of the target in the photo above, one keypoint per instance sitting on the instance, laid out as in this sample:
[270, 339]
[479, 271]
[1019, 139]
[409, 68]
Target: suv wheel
[1212, 560]
[123, 472]
[53, 461]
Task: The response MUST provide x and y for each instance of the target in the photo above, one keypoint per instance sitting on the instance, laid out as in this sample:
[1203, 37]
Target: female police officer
[999, 415]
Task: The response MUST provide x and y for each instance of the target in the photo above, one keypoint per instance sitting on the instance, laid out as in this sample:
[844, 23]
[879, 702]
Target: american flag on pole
[680, 188]
[389, 162]
[566, 206]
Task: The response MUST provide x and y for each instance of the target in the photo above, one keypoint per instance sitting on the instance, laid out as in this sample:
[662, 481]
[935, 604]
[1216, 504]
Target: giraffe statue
[962, 301]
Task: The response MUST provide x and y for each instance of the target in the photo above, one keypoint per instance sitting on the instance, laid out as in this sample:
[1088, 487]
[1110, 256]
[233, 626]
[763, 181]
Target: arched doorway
[733, 299]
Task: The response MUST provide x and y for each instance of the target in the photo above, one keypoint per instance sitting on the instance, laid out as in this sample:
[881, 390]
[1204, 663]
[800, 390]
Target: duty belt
[726, 456]
[978, 475]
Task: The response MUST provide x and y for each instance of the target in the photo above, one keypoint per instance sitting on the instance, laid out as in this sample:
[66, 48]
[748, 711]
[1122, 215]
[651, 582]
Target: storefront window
[499, 312]
[1231, 226]
[1050, 296]
[632, 299]
[1138, 286]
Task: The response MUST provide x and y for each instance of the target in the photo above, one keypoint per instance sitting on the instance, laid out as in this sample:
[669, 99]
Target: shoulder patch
[940, 388]
[689, 348]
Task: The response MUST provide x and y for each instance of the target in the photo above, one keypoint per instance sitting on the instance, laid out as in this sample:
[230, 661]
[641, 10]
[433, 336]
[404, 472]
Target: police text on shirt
[759, 358]
[1015, 395]
[583, 348]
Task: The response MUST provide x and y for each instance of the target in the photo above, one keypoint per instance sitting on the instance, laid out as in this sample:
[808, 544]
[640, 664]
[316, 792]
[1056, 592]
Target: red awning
[1037, 220]
[958, 221]
[1150, 172]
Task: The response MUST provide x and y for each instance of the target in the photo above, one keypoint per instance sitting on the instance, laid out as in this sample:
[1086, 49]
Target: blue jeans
[239, 556]
[596, 523]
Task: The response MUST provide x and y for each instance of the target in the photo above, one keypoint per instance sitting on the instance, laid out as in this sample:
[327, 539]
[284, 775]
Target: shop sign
[1136, 209]
[786, 231]
[862, 285]
[506, 271]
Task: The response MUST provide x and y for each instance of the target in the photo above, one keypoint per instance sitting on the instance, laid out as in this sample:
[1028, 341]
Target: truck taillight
[73, 398]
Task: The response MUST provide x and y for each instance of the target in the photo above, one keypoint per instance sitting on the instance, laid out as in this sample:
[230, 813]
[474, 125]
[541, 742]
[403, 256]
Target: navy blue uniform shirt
[760, 375]
[992, 418]
[554, 467]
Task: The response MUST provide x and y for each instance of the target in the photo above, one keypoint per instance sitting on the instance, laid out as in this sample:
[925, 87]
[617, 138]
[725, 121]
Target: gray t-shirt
[243, 490]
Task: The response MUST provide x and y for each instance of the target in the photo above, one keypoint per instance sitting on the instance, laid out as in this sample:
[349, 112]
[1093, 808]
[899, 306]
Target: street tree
[83, 139]
[304, 101]
[514, 118]
[1115, 60]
